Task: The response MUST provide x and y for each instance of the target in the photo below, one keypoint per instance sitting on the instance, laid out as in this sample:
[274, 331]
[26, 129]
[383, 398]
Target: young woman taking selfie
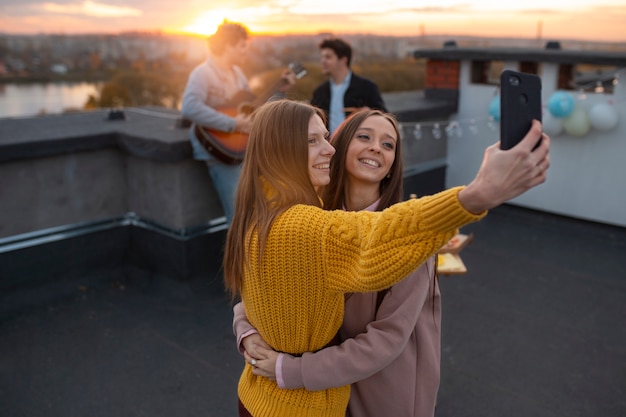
[291, 262]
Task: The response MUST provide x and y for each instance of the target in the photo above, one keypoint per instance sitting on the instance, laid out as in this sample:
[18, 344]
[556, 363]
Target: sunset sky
[596, 20]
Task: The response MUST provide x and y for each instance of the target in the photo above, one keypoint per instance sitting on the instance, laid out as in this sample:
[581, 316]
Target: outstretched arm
[504, 175]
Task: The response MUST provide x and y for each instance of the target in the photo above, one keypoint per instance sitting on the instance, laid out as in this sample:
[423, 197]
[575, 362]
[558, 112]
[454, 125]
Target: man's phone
[520, 103]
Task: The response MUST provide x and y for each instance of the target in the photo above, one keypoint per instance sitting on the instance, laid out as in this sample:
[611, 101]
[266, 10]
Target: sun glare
[207, 22]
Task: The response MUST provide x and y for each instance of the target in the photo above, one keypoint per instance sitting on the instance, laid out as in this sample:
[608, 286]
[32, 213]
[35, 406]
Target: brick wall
[442, 74]
[442, 80]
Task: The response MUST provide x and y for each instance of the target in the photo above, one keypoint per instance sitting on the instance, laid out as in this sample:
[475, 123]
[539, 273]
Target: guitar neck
[298, 70]
[268, 92]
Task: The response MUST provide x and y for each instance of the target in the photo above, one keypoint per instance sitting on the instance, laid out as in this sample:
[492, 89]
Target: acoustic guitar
[230, 147]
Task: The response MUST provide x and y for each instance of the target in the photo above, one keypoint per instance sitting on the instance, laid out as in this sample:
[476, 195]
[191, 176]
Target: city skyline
[592, 20]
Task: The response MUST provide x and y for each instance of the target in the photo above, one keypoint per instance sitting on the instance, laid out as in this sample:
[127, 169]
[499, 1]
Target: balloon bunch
[564, 114]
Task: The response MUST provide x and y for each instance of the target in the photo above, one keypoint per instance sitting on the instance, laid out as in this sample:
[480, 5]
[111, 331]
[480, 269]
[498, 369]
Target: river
[23, 100]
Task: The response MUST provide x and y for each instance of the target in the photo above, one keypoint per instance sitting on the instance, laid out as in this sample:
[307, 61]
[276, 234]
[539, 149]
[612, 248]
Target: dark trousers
[242, 411]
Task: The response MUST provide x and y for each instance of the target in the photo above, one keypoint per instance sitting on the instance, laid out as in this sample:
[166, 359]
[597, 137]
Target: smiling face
[320, 152]
[372, 151]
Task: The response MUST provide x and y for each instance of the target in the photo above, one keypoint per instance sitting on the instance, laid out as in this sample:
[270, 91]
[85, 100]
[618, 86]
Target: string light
[599, 87]
[437, 131]
[617, 77]
[472, 127]
[455, 127]
[417, 131]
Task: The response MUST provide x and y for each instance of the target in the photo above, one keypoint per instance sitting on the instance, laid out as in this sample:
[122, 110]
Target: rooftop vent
[553, 45]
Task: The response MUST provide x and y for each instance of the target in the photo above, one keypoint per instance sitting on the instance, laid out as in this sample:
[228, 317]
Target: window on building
[565, 79]
[529, 67]
[592, 78]
[486, 72]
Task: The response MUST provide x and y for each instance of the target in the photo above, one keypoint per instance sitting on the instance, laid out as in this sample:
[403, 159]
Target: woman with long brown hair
[292, 262]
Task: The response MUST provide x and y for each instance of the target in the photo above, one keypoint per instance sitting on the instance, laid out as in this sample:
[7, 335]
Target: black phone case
[520, 103]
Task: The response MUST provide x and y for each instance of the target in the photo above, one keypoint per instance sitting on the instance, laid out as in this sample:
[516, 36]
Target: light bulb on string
[454, 129]
[472, 127]
[450, 130]
[417, 131]
[436, 131]
[401, 127]
[599, 87]
[616, 79]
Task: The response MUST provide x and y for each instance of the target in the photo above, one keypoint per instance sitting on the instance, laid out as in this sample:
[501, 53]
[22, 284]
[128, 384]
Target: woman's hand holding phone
[506, 174]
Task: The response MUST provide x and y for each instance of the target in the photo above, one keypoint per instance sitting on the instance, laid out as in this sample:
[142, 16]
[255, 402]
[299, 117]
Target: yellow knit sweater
[295, 296]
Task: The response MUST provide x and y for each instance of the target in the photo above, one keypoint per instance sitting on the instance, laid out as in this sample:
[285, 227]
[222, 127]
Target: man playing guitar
[212, 85]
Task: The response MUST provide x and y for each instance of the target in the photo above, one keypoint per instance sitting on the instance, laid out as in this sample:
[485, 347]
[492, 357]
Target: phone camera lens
[514, 81]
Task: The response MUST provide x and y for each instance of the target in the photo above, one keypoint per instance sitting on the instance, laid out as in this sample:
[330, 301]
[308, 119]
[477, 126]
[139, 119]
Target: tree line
[159, 84]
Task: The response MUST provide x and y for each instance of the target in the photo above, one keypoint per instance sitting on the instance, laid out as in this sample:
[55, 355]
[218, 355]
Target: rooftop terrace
[111, 299]
[535, 328]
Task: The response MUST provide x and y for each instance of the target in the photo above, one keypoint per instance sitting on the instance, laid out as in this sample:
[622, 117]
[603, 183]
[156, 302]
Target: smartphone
[520, 103]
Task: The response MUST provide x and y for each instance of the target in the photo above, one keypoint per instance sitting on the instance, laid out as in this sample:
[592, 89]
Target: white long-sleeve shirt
[208, 88]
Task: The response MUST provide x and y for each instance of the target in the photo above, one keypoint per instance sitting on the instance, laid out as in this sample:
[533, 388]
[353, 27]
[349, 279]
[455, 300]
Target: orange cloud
[91, 8]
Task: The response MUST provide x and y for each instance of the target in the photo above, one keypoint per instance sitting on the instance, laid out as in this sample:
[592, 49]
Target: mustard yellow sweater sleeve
[374, 250]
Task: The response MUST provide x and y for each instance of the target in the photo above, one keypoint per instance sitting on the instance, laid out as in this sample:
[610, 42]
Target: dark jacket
[360, 93]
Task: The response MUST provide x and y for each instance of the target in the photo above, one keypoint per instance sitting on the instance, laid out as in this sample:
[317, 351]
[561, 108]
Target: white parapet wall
[587, 177]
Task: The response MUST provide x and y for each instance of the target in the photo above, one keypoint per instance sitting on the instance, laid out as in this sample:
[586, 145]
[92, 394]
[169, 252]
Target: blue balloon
[494, 108]
[561, 104]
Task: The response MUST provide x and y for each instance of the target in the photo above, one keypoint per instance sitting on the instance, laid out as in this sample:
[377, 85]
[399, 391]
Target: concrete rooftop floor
[537, 327]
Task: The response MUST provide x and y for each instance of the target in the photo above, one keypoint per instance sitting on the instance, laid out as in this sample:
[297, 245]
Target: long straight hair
[391, 187]
[274, 177]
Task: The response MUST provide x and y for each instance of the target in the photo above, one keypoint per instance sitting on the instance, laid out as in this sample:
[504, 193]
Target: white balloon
[553, 126]
[577, 123]
[603, 116]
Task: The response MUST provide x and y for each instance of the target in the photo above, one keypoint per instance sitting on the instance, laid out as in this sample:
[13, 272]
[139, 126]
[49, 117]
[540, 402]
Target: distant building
[58, 69]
